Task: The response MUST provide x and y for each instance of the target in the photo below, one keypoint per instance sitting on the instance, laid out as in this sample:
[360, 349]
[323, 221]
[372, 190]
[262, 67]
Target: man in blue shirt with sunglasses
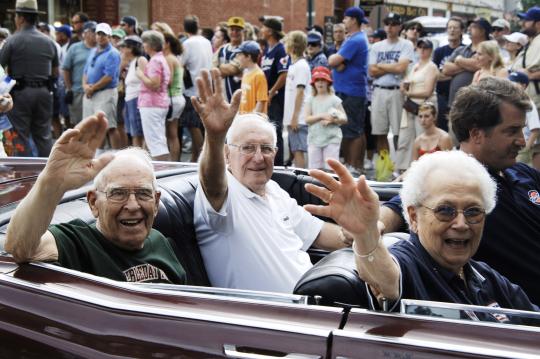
[100, 81]
[488, 119]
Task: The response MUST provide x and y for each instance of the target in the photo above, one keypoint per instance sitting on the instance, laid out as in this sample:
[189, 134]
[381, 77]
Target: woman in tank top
[418, 86]
[172, 50]
[433, 139]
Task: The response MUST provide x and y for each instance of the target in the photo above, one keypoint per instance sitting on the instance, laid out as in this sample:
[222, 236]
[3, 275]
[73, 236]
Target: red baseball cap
[321, 72]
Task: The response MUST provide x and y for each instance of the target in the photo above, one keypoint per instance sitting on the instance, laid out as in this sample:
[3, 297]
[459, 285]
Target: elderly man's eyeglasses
[120, 195]
[249, 149]
[447, 213]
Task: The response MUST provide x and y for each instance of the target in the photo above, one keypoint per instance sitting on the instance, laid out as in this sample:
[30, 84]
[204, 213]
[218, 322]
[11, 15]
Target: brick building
[210, 12]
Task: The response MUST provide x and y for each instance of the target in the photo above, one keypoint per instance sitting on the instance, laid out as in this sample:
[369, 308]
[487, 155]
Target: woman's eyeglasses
[447, 213]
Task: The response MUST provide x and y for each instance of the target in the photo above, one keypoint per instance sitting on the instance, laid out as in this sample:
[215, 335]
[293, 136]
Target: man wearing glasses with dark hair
[121, 244]
[77, 23]
[251, 233]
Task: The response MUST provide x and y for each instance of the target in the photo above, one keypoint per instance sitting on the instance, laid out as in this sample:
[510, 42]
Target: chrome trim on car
[432, 344]
[178, 313]
[459, 306]
[516, 327]
[230, 351]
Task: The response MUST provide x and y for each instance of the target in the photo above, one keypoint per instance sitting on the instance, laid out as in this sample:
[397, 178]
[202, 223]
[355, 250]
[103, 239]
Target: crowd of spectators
[142, 80]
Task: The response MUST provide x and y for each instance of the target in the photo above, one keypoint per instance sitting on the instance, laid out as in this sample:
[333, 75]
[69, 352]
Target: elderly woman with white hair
[154, 99]
[445, 210]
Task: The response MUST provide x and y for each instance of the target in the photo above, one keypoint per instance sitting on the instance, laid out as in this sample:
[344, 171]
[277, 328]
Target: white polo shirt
[255, 242]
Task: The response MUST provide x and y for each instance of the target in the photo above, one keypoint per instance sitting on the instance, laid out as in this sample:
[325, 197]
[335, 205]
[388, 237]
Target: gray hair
[126, 154]
[454, 163]
[154, 39]
[257, 120]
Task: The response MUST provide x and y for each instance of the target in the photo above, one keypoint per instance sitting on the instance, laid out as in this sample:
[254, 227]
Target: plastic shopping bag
[384, 167]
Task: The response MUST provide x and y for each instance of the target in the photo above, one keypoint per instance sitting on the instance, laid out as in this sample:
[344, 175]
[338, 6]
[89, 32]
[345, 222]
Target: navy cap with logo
[533, 14]
[357, 13]
[90, 26]
[484, 24]
[392, 19]
[378, 34]
[66, 29]
[130, 20]
[248, 47]
[519, 77]
[314, 38]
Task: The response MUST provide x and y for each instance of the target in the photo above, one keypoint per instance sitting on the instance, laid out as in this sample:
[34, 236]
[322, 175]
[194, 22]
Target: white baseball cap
[517, 38]
[502, 23]
[104, 28]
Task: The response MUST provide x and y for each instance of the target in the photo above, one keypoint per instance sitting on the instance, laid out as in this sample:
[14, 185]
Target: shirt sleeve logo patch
[534, 197]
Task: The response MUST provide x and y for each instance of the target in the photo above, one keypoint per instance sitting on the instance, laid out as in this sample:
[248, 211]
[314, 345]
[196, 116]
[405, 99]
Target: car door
[370, 334]
[47, 309]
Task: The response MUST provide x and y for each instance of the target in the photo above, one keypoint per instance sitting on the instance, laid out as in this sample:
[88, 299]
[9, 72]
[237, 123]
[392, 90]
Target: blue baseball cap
[533, 14]
[357, 13]
[66, 29]
[90, 26]
[378, 34]
[519, 77]
[248, 47]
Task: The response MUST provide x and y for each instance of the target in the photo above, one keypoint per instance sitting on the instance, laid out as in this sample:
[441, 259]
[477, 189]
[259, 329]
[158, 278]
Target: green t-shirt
[82, 247]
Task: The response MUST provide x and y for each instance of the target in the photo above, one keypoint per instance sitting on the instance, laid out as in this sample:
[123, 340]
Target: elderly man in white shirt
[251, 233]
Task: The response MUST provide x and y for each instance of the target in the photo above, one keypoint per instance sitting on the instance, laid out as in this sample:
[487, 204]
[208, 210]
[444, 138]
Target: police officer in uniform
[31, 59]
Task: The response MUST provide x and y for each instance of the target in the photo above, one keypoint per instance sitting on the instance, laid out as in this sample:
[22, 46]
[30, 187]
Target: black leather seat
[175, 221]
[334, 281]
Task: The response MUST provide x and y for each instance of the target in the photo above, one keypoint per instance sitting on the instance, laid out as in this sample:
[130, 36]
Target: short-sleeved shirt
[298, 75]
[422, 278]
[532, 59]
[74, 62]
[464, 78]
[101, 63]
[29, 55]
[226, 55]
[319, 135]
[385, 52]
[532, 121]
[254, 89]
[274, 62]
[254, 242]
[319, 59]
[510, 239]
[440, 56]
[197, 56]
[156, 67]
[352, 81]
[82, 247]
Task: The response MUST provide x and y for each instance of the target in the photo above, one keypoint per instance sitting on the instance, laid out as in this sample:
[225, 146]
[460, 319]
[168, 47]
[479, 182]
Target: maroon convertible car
[51, 312]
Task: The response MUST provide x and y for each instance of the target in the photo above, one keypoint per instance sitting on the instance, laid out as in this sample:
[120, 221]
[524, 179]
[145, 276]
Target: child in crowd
[324, 115]
[254, 85]
[296, 94]
[433, 138]
[531, 153]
